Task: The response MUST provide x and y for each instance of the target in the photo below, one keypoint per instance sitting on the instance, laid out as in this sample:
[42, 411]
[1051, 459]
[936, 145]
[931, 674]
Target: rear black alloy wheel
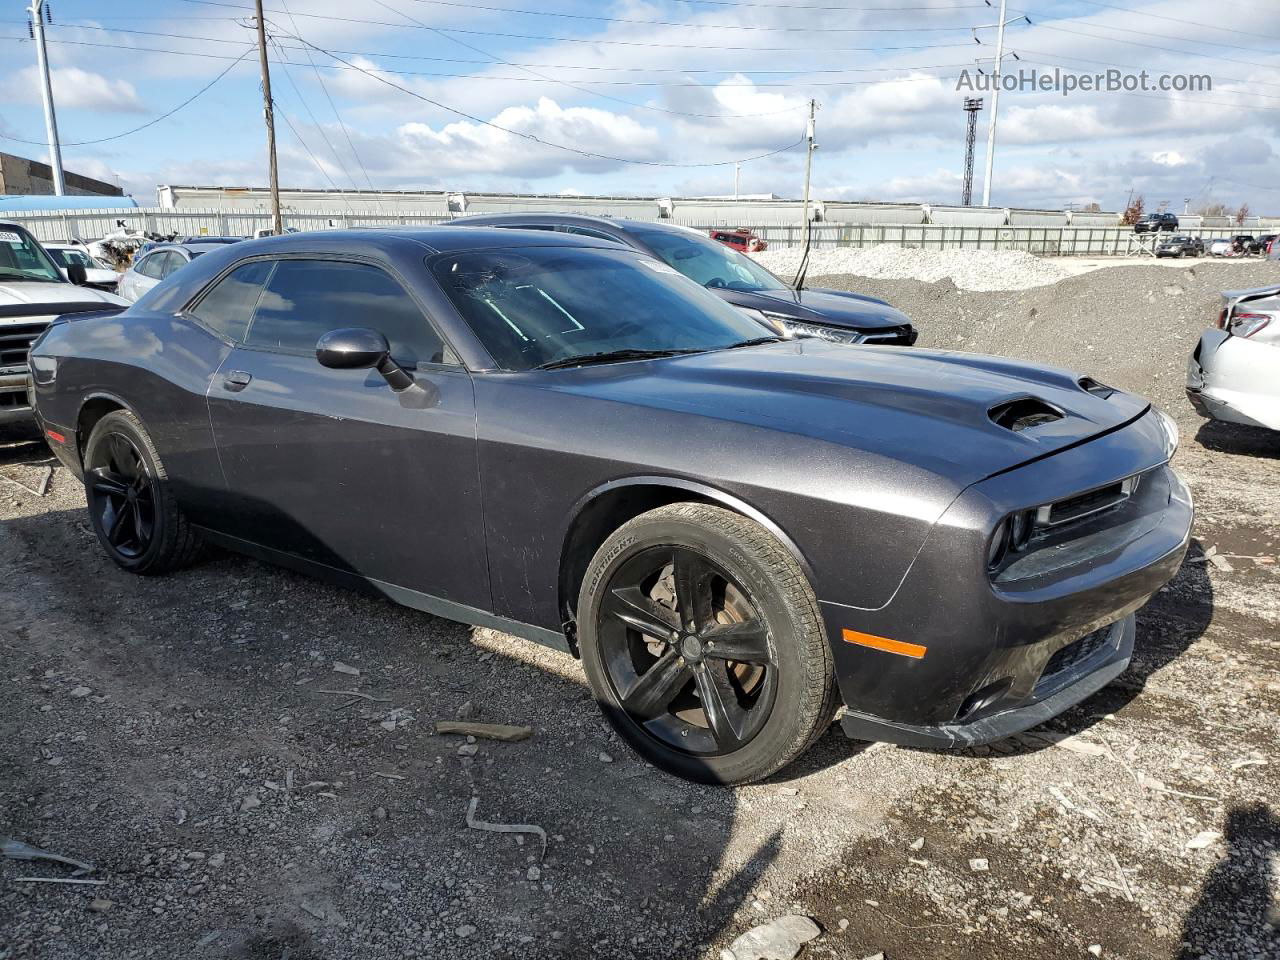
[701, 639]
[131, 505]
[122, 497]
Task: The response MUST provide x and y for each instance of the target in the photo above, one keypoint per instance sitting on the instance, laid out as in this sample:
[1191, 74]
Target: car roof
[620, 224]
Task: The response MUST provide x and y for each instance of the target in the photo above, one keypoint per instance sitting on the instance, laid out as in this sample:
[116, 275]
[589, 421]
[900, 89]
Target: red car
[742, 240]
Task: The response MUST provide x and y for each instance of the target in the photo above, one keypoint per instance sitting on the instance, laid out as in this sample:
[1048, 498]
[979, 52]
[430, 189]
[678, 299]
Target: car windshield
[540, 305]
[21, 258]
[67, 257]
[708, 262]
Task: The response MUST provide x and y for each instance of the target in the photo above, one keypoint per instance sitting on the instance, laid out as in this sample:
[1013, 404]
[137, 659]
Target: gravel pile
[967, 269]
[1131, 327]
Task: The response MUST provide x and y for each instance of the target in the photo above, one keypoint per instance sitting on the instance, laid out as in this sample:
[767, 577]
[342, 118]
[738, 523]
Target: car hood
[927, 408]
[17, 293]
[836, 308]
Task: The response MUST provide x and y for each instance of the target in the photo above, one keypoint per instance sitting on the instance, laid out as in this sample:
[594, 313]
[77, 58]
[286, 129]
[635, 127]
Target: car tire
[771, 707]
[132, 507]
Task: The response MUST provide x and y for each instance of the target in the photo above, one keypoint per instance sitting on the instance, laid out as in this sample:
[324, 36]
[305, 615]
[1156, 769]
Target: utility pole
[39, 10]
[737, 177]
[277, 225]
[810, 146]
[971, 106]
[995, 94]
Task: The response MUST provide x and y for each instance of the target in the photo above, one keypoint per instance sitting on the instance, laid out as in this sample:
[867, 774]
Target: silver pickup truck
[33, 293]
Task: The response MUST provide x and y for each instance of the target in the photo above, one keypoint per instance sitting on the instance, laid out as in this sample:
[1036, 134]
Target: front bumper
[984, 657]
[1109, 651]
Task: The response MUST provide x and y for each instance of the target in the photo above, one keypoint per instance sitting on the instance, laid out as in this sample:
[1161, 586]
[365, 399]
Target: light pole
[39, 10]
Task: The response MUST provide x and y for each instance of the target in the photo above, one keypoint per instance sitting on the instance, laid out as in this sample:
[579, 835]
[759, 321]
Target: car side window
[229, 305]
[171, 262]
[148, 266]
[305, 299]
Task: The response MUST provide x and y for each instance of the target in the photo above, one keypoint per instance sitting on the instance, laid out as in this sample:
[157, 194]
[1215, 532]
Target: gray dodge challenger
[569, 441]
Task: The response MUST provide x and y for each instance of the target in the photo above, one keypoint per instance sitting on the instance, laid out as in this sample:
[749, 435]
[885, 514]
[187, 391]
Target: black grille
[1075, 653]
[15, 341]
[13, 399]
[1088, 503]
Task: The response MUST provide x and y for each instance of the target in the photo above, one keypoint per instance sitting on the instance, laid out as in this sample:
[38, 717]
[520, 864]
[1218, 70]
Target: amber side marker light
[55, 436]
[912, 650]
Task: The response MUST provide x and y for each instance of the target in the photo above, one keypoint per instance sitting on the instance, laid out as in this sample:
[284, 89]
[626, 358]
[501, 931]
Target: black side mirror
[76, 274]
[359, 348]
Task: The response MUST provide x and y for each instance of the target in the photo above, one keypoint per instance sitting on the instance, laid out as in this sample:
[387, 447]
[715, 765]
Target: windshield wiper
[755, 342]
[610, 356]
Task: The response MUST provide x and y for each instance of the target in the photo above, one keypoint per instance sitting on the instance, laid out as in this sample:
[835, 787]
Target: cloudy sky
[653, 94]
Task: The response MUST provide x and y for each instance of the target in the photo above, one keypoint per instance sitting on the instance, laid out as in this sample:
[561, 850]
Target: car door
[335, 467]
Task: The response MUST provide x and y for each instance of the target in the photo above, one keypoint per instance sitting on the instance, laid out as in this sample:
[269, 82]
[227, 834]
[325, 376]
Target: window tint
[229, 305]
[305, 299]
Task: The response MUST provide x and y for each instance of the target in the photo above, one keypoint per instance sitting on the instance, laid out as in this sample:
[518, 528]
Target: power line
[332, 106]
[154, 120]
[539, 140]
[316, 123]
[684, 25]
[596, 42]
[593, 93]
[1190, 23]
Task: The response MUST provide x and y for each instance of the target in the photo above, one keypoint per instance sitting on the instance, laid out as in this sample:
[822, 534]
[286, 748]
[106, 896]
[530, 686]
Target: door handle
[237, 380]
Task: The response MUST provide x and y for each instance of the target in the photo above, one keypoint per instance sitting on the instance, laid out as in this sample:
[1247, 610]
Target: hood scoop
[1023, 413]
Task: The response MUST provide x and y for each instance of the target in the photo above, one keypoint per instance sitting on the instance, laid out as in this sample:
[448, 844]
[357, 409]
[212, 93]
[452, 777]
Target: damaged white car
[1234, 372]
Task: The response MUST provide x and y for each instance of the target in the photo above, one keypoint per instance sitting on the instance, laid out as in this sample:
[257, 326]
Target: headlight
[798, 328]
[998, 545]
[1170, 431]
[774, 323]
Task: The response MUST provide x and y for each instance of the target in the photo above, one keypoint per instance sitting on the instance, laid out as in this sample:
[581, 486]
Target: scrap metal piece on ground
[17, 850]
[779, 939]
[506, 732]
[475, 824]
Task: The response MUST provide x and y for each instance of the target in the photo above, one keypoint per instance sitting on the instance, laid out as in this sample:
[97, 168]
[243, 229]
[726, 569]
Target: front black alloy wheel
[686, 651]
[131, 505]
[700, 637]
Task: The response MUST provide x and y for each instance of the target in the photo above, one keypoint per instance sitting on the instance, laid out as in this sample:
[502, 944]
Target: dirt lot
[179, 734]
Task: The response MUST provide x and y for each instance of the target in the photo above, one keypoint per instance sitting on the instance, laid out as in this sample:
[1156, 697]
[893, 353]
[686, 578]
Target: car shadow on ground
[1236, 913]
[639, 847]
[1219, 437]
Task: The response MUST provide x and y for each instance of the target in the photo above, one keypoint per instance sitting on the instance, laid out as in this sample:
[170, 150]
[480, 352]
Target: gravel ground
[178, 733]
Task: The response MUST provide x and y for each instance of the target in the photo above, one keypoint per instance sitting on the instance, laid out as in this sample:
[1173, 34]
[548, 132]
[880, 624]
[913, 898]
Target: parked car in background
[270, 232]
[34, 291]
[564, 439]
[97, 274]
[1273, 252]
[834, 315]
[1234, 371]
[1244, 244]
[1156, 222]
[1180, 245]
[1265, 242]
[1222, 247]
[741, 239]
[157, 263]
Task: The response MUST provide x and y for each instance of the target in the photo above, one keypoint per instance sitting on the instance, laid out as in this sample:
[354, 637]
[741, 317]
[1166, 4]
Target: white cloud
[74, 88]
